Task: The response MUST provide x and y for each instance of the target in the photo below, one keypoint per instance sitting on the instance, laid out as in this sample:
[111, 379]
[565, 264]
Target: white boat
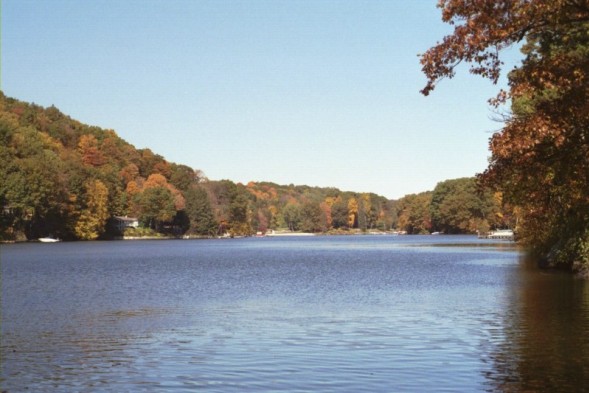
[48, 240]
[503, 234]
[277, 234]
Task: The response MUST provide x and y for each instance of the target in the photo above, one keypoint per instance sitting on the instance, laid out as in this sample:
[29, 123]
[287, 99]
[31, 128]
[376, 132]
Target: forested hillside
[62, 178]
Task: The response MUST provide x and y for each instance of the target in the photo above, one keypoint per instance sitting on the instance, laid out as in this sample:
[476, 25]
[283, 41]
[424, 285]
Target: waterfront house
[122, 223]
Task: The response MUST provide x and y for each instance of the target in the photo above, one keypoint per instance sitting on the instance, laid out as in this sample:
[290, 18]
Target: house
[122, 223]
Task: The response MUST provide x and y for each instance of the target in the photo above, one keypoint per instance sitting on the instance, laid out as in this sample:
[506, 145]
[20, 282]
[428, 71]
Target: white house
[122, 223]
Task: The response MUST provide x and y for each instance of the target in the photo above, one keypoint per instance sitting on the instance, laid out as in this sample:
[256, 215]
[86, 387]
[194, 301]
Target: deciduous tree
[352, 213]
[540, 159]
[156, 206]
[92, 220]
[339, 213]
[414, 213]
[89, 150]
[459, 206]
[291, 214]
[311, 217]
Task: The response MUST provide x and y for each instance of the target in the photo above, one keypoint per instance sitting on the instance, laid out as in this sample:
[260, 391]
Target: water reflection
[543, 344]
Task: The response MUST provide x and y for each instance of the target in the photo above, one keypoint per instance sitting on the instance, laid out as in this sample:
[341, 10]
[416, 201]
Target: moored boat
[499, 234]
[48, 240]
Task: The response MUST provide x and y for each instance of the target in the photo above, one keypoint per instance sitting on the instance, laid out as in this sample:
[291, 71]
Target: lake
[325, 314]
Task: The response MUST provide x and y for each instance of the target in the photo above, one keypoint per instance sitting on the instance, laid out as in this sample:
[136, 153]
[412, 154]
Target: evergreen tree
[200, 213]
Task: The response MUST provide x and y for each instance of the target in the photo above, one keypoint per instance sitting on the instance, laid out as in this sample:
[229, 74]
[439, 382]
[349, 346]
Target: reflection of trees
[544, 339]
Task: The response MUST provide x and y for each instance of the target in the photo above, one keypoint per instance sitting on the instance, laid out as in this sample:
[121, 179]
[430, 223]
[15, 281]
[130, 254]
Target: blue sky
[323, 93]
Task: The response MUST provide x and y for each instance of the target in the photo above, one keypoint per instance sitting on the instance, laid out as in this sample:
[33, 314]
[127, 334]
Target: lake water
[325, 314]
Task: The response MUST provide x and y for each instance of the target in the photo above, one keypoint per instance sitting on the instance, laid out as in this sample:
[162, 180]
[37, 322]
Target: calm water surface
[345, 314]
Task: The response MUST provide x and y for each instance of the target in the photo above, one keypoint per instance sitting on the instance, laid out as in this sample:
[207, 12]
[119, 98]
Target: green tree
[311, 217]
[291, 214]
[8, 214]
[200, 213]
[183, 177]
[240, 216]
[460, 206]
[222, 193]
[414, 213]
[339, 213]
[33, 188]
[156, 206]
[363, 205]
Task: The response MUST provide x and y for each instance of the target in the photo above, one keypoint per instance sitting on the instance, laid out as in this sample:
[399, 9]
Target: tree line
[63, 178]
[453, 207]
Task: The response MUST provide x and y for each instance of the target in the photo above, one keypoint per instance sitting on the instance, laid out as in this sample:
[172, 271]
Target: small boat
[499, 234]
[48, 240]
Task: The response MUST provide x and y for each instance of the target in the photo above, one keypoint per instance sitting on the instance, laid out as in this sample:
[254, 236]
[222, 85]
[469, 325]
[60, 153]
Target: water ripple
[327, 314]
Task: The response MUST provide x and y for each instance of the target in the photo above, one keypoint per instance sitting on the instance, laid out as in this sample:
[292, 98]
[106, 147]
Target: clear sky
[323, 93]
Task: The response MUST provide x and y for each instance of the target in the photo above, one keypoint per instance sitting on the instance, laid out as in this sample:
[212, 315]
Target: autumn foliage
[63, 178]
[540, 159]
